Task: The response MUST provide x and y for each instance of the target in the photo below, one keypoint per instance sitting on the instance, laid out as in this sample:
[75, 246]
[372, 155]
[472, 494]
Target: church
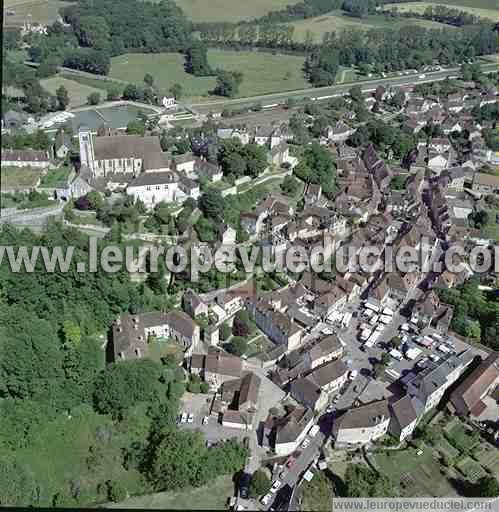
[134, 163]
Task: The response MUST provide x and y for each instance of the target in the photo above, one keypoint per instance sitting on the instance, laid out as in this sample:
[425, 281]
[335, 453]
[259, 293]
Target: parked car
[244, 481]
[275, 486]
[183, 418]
[290, 462]
[190, 418]
[205, 420]
[265, 500]
[305, 442]
[313, 431]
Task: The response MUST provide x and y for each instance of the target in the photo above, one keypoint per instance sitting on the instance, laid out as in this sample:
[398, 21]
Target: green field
[42, 11]
[338, 20]
[471, 470]
[55, 177]
[78, 92]
[19, 177]
[211, 497]
[95, 83]
[414, 475]
[229, 10]
[462, 438]
[263, 72]
[482, 8]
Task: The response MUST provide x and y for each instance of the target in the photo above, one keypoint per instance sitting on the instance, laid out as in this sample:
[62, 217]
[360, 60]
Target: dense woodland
[476, 312]
[58, 396]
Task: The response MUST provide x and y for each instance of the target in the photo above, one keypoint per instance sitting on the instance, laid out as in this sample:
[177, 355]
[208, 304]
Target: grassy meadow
[230, 10]
[263, 72]
[211, 497]
[338, 20]
[78, 93]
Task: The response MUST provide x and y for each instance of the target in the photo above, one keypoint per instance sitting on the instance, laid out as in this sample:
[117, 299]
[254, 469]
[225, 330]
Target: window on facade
[158, 187]
[148, 188]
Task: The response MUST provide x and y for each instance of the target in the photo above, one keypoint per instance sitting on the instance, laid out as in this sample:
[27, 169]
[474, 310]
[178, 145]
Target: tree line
[394, 49]
[441, 14]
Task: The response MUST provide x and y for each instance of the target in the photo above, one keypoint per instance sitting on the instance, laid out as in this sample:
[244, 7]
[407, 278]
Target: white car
[205, 420]
[313, 431]
[305, 442]
[183, 418]
[190, 418]
[265, 500]
[275, 486]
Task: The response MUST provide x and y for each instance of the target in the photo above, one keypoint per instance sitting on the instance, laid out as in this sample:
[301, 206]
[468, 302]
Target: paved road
[307, 456]
[320, 92]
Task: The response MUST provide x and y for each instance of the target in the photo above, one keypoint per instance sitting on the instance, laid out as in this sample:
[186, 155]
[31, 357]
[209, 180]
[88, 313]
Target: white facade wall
[19, 163]
[360, 436]
[151, 195]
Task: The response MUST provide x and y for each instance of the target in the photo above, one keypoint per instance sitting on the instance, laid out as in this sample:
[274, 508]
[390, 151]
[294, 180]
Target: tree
[95, 200]
[132, 92]
[212, 204]
[93, 31]
[136, 127]
[259, 484]
[93, 98]
[148, 79]
[290, 186]
[47, 68]
[72, 333]
[395, 342]
[486, 487]
[194, 384]
[225, 332]
[240, 326]
[116, 491]
[176, 91]
[205, 229]
[62, 97]
[113, 93]
[318, 493]
[316, 166]
[121, 385]
[237, 346]
[478, 219]
[228, 83]
[355, 93]
[178, 458]
[197, 60]
[363, 482]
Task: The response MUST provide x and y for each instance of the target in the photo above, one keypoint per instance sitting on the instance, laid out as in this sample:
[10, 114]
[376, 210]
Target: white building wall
[354, 436]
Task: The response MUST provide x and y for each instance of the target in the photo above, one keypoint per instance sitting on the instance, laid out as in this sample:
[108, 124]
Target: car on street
[183, 418]
[305, 443]
[205, 420]
[190, 418]
[313, 431]
[244, 482]
[265, 500]
[290, 462]
[275, 486]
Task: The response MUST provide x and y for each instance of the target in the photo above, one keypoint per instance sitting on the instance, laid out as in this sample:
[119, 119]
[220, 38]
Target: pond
[117, 117]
